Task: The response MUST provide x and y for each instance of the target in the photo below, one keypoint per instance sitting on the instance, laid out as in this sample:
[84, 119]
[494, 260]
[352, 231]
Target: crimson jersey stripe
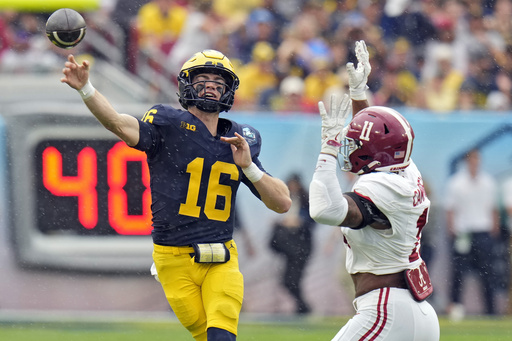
[382, 316]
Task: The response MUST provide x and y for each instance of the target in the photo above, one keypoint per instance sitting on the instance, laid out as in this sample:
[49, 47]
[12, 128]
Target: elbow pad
[327, 205]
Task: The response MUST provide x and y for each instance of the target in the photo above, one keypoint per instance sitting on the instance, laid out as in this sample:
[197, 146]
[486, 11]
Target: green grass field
[307, 329]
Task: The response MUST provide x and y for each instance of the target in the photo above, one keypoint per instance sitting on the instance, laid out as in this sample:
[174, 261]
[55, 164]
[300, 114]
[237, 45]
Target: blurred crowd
[439, 55]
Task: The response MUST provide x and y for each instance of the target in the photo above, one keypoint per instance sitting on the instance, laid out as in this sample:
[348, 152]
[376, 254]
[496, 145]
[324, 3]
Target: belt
[176, 250]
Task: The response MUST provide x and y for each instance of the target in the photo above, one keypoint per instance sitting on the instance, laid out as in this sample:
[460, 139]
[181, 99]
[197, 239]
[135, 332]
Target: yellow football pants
[202, 295]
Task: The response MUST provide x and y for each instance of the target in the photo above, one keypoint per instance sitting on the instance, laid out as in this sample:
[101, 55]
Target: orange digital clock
[85, 185]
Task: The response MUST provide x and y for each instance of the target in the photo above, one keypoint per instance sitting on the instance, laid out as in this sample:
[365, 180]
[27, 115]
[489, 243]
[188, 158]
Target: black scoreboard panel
[79, 197]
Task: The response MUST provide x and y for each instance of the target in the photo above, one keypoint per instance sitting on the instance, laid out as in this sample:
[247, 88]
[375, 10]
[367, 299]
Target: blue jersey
[194, 179]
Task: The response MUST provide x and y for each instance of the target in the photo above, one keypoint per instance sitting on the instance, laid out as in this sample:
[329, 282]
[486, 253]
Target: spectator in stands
[501, 98]
[477, 38]
[339, 54]
[235, 11]
[440, 93]
[276, 8]
[124, 15]
[319, 80]
[29, 50]
[290, 98]
[261, 26]
[399, 83]
[402, 19]
[258, 79]
[159, 24]
[5, 31]
[467, 98]
[388, 93]
[481, 76]
[301, 31]
[500, 19]
[446, 39]
[200, 32]
[302, 43]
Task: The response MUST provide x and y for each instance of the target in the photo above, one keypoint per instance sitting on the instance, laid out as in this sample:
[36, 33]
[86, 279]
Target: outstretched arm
[327, 204]
[273, 191]
[358, 78]
[76, 75]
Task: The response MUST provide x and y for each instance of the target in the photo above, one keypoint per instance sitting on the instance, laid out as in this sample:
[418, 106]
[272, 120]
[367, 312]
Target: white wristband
[87, 91]
[253, 173]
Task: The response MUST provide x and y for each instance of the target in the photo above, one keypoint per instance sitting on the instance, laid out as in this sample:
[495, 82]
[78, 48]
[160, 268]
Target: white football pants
[390, 314]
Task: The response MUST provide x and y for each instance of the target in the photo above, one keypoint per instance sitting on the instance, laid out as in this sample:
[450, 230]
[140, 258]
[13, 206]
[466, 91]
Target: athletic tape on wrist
[87, 91]
[253, 173]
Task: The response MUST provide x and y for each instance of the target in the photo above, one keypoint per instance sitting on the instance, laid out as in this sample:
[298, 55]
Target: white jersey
[401, 198]
[472, 200]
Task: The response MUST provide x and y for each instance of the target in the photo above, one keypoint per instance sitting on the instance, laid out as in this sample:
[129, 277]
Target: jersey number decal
[420, 224]
[365, 132]
[148, 116]
[214, 191]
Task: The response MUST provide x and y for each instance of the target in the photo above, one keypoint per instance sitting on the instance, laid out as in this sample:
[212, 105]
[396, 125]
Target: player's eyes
[200, 85]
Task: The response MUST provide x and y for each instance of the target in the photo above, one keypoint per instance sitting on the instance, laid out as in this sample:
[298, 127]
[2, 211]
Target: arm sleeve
[326, 202]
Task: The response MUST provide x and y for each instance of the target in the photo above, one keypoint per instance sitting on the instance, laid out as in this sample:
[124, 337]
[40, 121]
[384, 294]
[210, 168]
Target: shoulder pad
[161, 114]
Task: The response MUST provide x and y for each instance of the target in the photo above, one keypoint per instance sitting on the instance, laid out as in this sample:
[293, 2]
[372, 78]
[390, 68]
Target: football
[65, 28]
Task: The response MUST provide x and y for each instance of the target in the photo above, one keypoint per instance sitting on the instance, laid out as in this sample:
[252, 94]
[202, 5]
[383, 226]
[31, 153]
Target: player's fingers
[321, 109]
[342, 109]
[358, 46]
[364, 47]
[237, 141]
[71, 59]
[350, 68]
[345, 102]
[239, 137]
[334, 104]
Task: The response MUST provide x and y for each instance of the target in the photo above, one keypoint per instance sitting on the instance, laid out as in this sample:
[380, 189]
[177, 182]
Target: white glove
[357, 78]
[333, 123]
[154, 273]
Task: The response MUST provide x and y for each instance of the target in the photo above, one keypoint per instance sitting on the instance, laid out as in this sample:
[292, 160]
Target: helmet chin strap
[369, 167]
[208, 106]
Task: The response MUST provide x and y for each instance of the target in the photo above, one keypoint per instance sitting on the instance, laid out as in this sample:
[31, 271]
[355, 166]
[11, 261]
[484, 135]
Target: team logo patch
[187, 126]
[249, 135]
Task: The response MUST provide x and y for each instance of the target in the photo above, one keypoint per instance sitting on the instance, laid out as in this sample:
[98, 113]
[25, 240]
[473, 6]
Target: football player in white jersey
[381, 218]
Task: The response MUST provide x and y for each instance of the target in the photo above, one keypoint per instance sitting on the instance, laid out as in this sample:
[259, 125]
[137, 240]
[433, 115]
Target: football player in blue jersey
[197, 162]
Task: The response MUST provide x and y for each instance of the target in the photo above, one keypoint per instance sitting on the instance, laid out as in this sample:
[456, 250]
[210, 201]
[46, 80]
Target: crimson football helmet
[207, 61]
[377, 139]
